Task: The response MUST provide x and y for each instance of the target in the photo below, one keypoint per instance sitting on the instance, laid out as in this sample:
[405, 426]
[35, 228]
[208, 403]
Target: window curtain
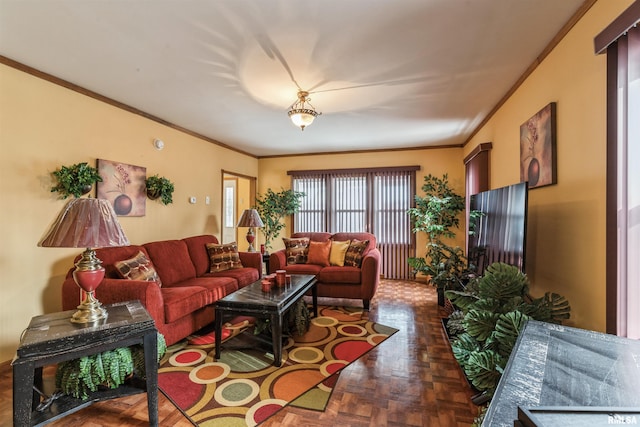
[621, 41]
[357, 200]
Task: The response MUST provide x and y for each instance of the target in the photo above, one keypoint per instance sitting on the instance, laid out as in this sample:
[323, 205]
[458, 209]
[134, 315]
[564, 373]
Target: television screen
[499, 234]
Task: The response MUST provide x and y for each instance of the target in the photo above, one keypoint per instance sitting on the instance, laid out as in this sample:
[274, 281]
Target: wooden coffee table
[252, 301]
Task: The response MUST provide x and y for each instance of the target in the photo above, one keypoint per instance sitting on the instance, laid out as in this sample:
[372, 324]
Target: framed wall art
[538, 148]
[124, 186]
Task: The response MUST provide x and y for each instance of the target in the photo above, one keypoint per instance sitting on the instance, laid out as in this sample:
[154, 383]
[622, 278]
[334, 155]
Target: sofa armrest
[370, 271]
[252, 260]
[277, 261]
[118, 290]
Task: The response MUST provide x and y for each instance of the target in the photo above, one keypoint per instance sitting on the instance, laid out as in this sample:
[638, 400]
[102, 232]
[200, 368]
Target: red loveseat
[181, 305]
[337, 281]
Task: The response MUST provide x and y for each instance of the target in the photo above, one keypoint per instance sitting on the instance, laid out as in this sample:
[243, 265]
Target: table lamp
[250, 218]
[86, 223]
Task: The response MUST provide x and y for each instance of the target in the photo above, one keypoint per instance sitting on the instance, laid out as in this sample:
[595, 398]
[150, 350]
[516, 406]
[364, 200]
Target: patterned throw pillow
[296, 250]
[353, 257]
[138, 268]
[338, 252]
[319, 253]
[223, 257]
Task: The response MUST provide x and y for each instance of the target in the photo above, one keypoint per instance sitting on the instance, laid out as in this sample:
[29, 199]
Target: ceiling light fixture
[302, 112]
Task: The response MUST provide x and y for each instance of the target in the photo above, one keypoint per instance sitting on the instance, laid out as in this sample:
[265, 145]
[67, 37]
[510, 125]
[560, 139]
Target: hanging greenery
[75, 180]
[110, 369]
[160, 187]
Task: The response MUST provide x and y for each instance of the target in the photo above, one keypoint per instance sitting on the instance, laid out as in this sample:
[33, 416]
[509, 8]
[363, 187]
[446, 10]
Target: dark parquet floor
[411, 379]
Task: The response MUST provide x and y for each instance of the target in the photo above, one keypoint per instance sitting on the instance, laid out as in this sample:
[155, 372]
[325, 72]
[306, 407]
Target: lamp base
[88, 275]
[89, 311]
[250, 239]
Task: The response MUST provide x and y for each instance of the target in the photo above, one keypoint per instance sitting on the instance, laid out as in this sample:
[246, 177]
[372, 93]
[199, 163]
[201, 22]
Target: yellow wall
[44, 126]
[566, 233]
[273, 173]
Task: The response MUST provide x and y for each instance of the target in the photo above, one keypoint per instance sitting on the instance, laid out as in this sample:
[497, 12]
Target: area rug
[244, 388]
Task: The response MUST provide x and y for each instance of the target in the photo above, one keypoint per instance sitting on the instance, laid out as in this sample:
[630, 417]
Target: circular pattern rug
[244, 388]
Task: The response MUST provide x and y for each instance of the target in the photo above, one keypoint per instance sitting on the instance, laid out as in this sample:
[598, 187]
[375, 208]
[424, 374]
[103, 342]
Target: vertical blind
[621, 41]
[362, 200]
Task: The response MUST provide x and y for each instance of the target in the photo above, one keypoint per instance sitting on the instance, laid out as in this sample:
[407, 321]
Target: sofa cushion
[312, 269]
[172, 261]
[340, 275]
[198, 251]
[319, 253]
[183, 301]
[338, 252]
[138, 268]
[296, 250]
[358, 236]
[353, 257]
[314, 236]
[223, 257]
[109, 256]
[243, 276]
[216, 286]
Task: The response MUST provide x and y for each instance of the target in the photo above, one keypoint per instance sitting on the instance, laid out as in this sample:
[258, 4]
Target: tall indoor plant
[437, 213]
[273, 208]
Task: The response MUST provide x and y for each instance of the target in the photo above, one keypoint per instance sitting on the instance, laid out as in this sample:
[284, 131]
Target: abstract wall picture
[538, 148]
[124, 186]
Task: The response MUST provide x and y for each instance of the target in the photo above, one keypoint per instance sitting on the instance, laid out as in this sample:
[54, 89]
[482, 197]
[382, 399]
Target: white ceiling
[384, 73]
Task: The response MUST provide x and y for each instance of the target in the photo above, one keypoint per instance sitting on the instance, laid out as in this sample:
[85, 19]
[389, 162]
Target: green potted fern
[159, 187]
[493, 310]
[109, 369]
[75, 180]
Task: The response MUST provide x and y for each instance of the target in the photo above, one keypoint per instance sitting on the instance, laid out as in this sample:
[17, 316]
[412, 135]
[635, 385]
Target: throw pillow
[138, 268]
[296, 250]
[338, 252]
[353, 257]
[319, 253]
[223, 257]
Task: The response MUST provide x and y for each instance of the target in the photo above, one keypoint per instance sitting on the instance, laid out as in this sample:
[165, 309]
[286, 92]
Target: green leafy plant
[273, 207]
[110, 369]
[75, 180]
[494, 308]
[438, 214]
[160, 187]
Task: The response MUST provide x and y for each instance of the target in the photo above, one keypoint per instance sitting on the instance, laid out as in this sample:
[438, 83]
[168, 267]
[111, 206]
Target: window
[362, 200]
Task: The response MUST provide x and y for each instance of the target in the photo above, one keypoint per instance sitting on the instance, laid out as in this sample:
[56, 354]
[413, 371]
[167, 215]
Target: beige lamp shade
[250, 218]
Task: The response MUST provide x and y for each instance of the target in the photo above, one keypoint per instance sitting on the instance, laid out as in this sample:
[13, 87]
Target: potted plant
[493, 310]
[75, 180]
[110, 369]
[160, 187]
[437, 213]
[273, 207]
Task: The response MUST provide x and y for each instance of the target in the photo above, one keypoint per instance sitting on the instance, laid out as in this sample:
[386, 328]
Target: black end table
[252, 301]
[52, 338]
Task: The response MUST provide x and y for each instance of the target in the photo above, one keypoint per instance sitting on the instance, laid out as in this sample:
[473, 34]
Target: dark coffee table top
[278, 299]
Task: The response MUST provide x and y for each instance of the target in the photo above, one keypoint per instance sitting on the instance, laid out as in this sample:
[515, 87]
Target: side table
[52, 338]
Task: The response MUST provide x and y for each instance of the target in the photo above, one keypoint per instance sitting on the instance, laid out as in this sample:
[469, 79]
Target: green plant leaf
[503, 281]
[483, 368]
[508, 328]
[462, 346]
[480, 323]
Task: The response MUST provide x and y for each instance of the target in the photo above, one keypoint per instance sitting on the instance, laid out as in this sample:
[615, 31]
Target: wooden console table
[559, 374]
[52, 338]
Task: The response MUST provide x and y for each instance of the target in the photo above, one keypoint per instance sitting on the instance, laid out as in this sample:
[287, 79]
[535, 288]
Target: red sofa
[182, 304]
[338, 281]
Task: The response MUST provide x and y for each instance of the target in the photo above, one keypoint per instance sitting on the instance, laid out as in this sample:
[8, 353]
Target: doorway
[238, 194]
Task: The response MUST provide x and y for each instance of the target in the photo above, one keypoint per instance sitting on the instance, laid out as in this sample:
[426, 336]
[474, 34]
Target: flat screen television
[500, 233]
